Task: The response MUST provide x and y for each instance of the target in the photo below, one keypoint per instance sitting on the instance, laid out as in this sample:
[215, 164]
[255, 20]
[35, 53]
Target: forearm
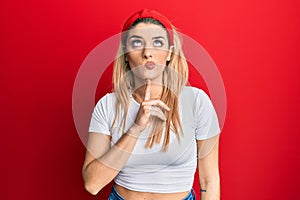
[209, 170]
[210, 190]
[99, 172]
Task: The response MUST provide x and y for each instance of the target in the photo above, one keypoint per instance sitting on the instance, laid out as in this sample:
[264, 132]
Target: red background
[255, 44]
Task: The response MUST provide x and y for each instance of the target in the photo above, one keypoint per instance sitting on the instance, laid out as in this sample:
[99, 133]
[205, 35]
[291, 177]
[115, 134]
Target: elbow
[210, 181]
[92, 188]
[93, 184]
[90, 184]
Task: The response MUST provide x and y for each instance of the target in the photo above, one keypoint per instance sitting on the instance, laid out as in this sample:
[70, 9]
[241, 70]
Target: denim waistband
[114, 195]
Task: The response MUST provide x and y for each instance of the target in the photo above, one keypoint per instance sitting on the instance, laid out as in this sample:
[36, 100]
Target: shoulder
[193, 93]
[107, 98]
[106, 102]
[195, 97]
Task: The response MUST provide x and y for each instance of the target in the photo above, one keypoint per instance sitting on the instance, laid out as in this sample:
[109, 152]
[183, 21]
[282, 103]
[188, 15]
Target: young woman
[152, 131]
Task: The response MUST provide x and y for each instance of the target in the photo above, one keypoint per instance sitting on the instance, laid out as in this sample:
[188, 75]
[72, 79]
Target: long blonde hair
[175, 77]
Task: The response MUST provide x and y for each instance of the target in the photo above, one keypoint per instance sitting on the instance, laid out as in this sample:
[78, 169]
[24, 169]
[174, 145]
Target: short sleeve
[206, 119]
[100, 117]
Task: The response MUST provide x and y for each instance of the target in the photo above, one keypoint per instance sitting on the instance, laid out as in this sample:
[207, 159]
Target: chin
[151, 77]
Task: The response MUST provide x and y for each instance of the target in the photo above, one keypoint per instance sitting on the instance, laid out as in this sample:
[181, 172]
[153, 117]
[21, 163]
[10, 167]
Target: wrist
[135, 130]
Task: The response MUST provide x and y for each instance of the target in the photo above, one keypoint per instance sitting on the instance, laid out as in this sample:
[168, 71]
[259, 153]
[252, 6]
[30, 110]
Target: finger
[157, 102]
[157, 112]
[147, 109]
[147, 90]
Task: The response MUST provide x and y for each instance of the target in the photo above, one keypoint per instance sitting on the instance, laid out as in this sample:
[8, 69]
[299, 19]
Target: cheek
[134, 59]
[161, 56]
[162, 60]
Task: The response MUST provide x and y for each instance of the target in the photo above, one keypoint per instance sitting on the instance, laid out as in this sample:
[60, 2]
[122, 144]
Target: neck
[140, 87]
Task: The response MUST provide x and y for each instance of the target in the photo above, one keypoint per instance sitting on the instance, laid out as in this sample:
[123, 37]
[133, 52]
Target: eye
[136, 43]
[158, 43]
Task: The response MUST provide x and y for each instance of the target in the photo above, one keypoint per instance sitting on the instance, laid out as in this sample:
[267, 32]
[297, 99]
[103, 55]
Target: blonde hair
[175, 77]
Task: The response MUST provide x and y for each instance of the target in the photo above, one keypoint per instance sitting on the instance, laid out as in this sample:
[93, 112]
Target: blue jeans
[114, 195]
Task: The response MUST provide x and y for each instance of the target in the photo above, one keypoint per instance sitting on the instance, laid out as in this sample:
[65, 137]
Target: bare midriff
[135, 195]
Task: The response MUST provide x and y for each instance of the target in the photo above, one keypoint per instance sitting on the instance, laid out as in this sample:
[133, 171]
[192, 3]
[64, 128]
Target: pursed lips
[150, 65]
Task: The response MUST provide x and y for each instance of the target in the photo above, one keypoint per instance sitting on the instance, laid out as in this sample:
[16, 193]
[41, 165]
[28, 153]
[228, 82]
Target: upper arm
[98, 144]
[99, 130]
[205, 117]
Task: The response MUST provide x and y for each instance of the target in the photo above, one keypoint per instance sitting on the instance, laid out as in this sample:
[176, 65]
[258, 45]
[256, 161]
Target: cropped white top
[151, 169]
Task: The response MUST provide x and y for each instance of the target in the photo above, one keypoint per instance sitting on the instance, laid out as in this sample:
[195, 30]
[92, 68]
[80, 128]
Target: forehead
[147, 30]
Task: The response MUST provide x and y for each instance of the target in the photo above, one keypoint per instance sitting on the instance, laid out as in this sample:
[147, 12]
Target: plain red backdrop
[255, 45]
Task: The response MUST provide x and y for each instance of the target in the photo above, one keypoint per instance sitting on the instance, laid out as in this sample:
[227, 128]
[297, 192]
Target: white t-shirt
[151, 169]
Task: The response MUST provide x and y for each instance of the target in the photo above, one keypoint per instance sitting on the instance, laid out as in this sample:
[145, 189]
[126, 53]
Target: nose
[147, 53]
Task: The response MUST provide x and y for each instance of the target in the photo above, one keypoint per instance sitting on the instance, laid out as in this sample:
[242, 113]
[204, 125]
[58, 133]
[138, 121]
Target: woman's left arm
[208, 166]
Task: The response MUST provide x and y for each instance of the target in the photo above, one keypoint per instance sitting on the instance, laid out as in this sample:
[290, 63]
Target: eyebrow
[137, 36]
[159, 37]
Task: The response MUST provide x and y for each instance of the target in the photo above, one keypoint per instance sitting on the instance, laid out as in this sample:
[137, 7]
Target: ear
[170, 53]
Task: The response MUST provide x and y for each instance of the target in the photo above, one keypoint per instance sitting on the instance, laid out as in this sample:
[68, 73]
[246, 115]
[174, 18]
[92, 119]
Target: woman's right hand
[150, 108]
